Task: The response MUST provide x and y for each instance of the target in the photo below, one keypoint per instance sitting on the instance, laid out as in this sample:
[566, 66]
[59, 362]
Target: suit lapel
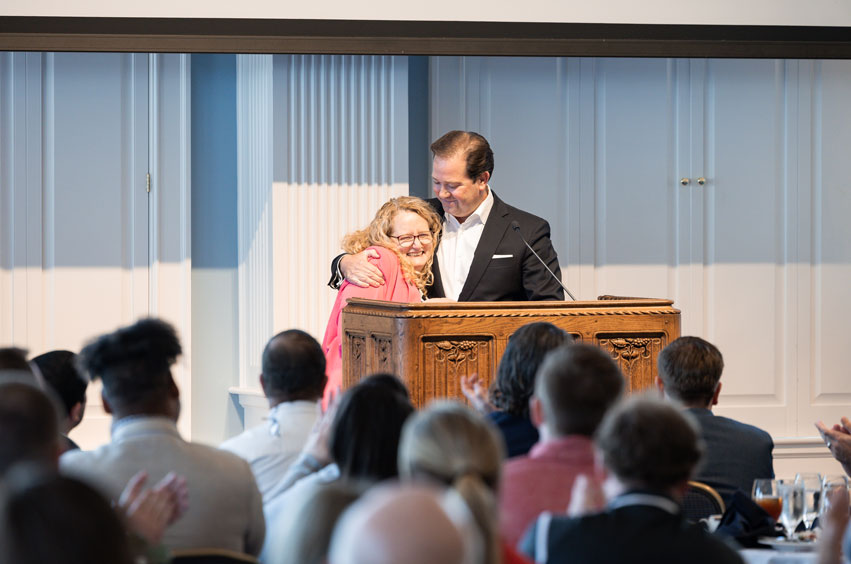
[436, 288]
[491, 236]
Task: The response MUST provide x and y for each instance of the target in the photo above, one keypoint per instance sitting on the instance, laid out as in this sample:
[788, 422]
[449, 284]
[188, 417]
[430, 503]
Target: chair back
[210, 556]
[701, 501]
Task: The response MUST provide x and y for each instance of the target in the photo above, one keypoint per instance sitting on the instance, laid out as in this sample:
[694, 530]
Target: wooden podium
[431, 345]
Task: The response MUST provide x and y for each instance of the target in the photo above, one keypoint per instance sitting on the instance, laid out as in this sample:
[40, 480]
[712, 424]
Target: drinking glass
[830, 481]
[813, 497]
[767, 496]
[792, 500]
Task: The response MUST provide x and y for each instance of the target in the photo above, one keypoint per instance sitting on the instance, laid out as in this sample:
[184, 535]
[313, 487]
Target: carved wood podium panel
[431, 345]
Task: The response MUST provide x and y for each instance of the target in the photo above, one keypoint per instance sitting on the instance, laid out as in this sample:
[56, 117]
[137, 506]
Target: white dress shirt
[271, 447]
[458, 244]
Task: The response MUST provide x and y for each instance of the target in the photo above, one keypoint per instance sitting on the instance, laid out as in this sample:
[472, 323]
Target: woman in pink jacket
[403, 234]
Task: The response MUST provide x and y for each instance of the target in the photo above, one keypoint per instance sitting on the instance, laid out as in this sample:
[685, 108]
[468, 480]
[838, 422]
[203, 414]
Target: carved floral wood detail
[636, 357]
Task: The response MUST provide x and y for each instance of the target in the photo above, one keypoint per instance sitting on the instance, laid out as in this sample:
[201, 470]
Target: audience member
[293, 380]
[29, 426]
[508, 405]
[451, 445]
[49, 519]
[575, 387]
[357, 439]
[304, 536]
[138, 390]
[651, 451]
[13, 359]
[838, 440]
[393, 524]
[736, 453]
[60, 372]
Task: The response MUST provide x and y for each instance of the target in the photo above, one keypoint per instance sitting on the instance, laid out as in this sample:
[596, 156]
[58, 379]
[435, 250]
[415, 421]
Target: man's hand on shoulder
[357, 269]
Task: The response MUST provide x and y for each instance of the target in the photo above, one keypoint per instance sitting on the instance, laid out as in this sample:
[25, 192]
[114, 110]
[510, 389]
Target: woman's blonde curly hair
[378, 233]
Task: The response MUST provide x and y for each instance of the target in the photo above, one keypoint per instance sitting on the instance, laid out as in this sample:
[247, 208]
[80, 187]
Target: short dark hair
[366, 429]
[690, 369]
[577, 384]
[134, 362]
[81, 524]
[60, 371]
[13, 358]
[294, 366]
[474, 147]
[29, 425]
[515, 376]
[649, 443]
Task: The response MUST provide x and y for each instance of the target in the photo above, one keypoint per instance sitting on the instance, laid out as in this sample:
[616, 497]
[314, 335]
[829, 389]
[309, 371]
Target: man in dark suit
[736, 453]
[650, 450]
[480, 257]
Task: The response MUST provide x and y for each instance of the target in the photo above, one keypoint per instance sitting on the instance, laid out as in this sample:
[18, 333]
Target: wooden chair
[701, 501]
[210, 556]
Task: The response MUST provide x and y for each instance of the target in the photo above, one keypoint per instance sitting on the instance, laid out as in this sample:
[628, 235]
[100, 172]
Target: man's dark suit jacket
[517, 277]
[637, 533]
[736, 453]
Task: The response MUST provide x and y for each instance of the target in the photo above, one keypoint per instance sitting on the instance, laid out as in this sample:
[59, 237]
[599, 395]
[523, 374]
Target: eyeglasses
[407, 241]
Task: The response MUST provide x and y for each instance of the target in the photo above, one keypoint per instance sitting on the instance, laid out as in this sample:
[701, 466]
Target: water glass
[792, 500]
[828, 483]
[812, 483]
[766, 495]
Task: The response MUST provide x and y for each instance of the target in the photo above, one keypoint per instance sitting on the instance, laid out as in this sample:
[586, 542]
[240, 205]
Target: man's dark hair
[690, 369]
[13, 358]
[577, 384]
[29, 425]
[366, 429]
[294, 366]
[649, 443]
[134, 362]
[515, 376]
[60, 371]
[474, 147]
[85, 527]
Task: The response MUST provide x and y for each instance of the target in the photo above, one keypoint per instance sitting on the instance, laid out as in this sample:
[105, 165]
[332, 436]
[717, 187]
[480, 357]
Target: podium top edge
[542, 305]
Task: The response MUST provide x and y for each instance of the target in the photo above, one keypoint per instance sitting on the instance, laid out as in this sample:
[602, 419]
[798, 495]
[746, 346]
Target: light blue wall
[215, 316]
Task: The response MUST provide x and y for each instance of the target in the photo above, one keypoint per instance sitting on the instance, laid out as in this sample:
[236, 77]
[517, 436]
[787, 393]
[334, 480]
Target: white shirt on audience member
[458, 243]
[270, 448]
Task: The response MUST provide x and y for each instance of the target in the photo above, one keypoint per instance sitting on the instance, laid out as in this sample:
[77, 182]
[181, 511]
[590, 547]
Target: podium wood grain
[431, 345]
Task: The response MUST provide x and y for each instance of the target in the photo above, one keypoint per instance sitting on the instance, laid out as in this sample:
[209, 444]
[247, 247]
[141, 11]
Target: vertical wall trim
[153, 170]
[49, 199]
[254, 188]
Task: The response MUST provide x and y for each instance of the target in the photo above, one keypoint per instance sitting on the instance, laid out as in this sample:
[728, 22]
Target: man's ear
[76, 414]
[660, 385]
[106, 407]
[263, 385]
[536, 411]
[484, 177]
[716, 394]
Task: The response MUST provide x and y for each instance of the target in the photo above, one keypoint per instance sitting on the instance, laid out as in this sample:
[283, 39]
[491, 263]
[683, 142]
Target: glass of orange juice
[767, 495]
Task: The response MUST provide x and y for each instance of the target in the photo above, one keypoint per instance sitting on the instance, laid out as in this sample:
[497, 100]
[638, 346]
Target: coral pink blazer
[395, 289]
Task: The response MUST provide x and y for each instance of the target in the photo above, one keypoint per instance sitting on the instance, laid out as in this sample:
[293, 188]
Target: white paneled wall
[82, 250]
[755, 256]
[339, 150]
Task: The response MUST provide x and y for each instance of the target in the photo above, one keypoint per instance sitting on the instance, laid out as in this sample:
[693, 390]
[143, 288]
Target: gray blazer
[736, 453]
[225, 506]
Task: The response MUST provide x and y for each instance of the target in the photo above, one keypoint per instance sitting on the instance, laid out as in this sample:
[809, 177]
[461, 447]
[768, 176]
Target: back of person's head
[46, 518]
[365, 432]
[293, 367]
[475, 149]
[649, 443]
[14, 359]
[451, 444]
[59, 369]
[134, 364]
[304, 537]
[690, 368]
[397, 523]
[29, 425]
[576, 385]
[515, 376]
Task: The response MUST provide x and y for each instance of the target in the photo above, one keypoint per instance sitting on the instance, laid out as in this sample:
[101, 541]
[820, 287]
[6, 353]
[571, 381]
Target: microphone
[516, 227]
